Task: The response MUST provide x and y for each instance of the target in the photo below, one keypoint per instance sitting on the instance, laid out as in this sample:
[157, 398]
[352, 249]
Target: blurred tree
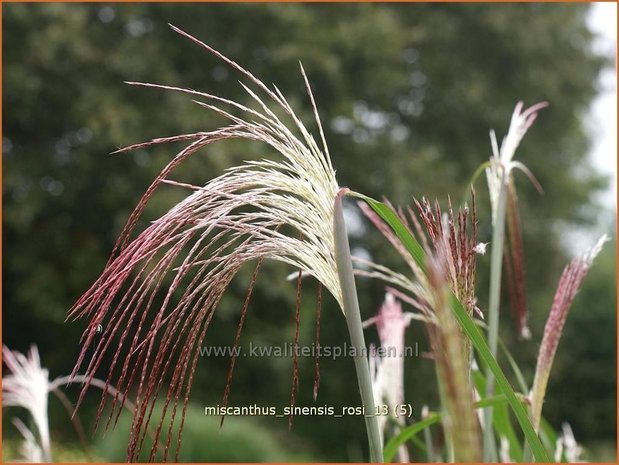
[407, 94]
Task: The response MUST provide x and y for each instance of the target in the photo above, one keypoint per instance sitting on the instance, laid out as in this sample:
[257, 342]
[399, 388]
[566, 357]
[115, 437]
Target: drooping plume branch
[201, 243]
[514, 264]
[158, 293]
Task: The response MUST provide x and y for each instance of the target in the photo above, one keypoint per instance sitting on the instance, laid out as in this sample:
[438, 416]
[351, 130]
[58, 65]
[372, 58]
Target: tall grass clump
[289, 208]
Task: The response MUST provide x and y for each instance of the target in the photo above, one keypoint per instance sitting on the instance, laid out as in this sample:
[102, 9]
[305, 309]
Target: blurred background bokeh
[407, 94]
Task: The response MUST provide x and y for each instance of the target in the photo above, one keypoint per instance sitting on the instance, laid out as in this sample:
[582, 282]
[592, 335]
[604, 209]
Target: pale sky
[603, 117]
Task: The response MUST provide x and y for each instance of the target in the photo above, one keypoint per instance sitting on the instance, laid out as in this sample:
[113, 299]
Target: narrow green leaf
[548, 434]
[504, 428]
[468, 326]
[419, 444]
[391, 218]
[416, 442]
[480, 169]
[408, 433]
[391, 448]
[500, 420]
[522, 384]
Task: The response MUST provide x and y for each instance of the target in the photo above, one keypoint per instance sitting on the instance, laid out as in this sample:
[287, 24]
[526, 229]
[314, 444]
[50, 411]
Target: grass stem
[355, 329]
[496, 263]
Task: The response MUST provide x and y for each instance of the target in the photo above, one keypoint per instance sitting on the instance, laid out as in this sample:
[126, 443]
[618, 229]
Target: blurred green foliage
[241, 440]
[407, 94]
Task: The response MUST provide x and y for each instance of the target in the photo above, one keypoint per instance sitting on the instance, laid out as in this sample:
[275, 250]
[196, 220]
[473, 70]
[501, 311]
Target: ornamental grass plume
[451, 266]
[388, 382]
[569, 283]
[450, 247]
[453, 370]
[567, 445]
[457, 249]
[502, 161]
[504, 204]
[457, 246]
[513, 262]
[448, 235]
[284, 209]
[449, 232]
[27, 385]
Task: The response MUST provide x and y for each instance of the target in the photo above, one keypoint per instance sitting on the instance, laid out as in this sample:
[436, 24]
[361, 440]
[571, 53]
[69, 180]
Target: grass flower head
[388, 370]
[569, 283]
[280, 209]
[504, 204]
[27, 386]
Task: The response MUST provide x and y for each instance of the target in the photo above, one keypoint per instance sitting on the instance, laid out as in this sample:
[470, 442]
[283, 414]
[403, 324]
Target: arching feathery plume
[280, 209]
